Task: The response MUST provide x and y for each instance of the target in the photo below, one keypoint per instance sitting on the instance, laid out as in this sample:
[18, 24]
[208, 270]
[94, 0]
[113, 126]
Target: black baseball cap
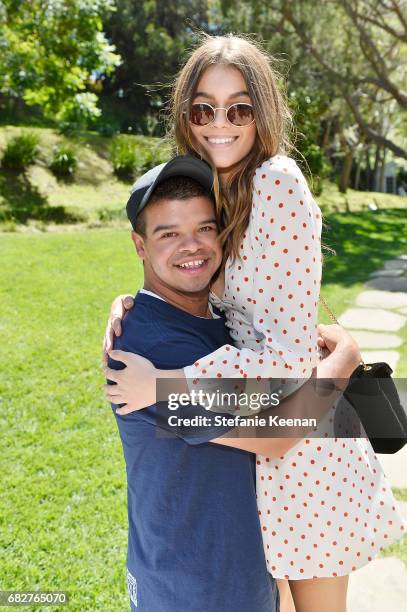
[182, 165]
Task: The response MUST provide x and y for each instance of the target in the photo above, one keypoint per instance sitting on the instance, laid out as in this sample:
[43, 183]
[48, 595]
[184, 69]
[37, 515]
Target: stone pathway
[381, 312]
[392, 277]
[379, 586]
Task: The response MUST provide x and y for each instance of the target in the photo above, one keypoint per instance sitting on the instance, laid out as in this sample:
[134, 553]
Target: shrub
[123, 155]
[8, 225]
[60, 214]
[145, 161]
[21, 151]
[107, 129]
[64, 160]
[130, 158]
[112, 214]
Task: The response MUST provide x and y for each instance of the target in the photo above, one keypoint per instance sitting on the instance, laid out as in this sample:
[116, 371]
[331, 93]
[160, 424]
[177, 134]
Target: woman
[325, 508]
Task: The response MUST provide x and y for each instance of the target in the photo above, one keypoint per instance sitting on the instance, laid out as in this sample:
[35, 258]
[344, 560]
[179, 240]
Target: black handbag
[373, 395]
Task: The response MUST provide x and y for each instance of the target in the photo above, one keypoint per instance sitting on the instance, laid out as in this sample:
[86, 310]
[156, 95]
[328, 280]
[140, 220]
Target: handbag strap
[335, 320]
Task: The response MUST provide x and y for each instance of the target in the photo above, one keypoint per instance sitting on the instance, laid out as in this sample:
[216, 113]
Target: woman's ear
[139, 244]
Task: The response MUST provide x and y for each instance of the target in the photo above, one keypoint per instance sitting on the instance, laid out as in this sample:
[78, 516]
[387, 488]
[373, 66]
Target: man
[194, 536]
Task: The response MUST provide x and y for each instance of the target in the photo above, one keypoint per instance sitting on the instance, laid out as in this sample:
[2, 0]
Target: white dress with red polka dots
[325, 508]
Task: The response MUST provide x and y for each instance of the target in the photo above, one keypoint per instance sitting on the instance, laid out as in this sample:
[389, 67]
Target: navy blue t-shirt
[194, 542]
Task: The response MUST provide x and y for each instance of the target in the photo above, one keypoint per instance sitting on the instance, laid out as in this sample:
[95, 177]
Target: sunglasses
[239, 115]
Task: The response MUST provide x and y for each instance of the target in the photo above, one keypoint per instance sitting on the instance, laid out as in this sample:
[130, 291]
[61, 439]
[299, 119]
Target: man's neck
[195, 304]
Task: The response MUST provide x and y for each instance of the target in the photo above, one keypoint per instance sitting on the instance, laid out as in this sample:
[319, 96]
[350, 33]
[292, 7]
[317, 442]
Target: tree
[351, 56]
[53, 53]
[153, 37]
[369, 64]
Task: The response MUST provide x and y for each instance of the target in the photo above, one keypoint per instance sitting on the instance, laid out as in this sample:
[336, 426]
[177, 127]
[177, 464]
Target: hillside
[94, 195]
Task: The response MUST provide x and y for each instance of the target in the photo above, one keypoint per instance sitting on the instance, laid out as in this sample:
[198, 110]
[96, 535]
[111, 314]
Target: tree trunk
[327, 134]
[357, 175]
[376, 169]
[346, 170]
[381, 171]
[368, 171]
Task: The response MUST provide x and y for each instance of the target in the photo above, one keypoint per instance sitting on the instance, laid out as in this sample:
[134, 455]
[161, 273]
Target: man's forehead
[191, 209]
[197, 200]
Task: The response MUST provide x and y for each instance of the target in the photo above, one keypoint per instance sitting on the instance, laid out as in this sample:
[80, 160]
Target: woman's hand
[118, 311]
[135, 385]
[218, 287]
[334, 337]
[344, 352]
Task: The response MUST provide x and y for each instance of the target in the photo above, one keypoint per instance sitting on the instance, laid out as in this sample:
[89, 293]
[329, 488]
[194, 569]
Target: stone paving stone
[390, 357]
[390, 273]
[374, 319]
[382, 299]
[379, 586]
[395, 468]
[395, 264]
[375, 340]
[387, 283]
[382, 584]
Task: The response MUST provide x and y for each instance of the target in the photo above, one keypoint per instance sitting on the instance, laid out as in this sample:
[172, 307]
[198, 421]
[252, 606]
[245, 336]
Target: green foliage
[123, 155]
[26, 197]
[108, 214]
[79, 112]
[64, 160]
[154, 37]
[129, 158]
[53, 54]
[146, 160]
[308, 110]
[21, 151]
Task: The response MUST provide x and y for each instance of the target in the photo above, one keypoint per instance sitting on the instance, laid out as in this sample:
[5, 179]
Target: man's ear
[139, 244]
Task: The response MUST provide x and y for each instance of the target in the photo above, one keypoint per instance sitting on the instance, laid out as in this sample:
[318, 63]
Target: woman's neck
[223, 176]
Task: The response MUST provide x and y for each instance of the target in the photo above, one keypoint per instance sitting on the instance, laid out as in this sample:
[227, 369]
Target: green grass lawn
[331, 200]
[362, 242]
[63, 522]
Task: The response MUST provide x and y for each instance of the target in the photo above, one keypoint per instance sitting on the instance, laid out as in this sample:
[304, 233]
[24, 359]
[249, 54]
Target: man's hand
[120, 306]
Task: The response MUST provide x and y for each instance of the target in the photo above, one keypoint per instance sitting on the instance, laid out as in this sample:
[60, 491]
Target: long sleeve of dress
[271, 293]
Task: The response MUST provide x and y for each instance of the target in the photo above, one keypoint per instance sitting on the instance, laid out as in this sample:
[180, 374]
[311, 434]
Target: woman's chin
[223, 163]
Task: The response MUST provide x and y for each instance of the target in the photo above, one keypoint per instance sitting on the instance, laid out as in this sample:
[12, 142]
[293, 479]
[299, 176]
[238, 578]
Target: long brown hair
[273, 122]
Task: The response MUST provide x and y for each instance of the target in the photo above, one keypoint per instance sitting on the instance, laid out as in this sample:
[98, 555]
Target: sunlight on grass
[63, 523]
[63, 494]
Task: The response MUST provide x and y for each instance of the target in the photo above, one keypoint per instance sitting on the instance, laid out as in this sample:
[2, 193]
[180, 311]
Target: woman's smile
[220, 141]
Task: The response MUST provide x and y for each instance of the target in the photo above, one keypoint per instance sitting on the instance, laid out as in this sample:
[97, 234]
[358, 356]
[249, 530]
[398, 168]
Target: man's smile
[193, 265]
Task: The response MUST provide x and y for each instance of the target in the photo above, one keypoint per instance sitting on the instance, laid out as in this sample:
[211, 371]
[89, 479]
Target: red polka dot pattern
[281, 253]
[316, 520]
[329, 536]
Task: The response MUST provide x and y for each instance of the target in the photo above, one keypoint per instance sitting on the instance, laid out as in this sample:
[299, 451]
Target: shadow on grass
[21, 201]
[362, 241]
